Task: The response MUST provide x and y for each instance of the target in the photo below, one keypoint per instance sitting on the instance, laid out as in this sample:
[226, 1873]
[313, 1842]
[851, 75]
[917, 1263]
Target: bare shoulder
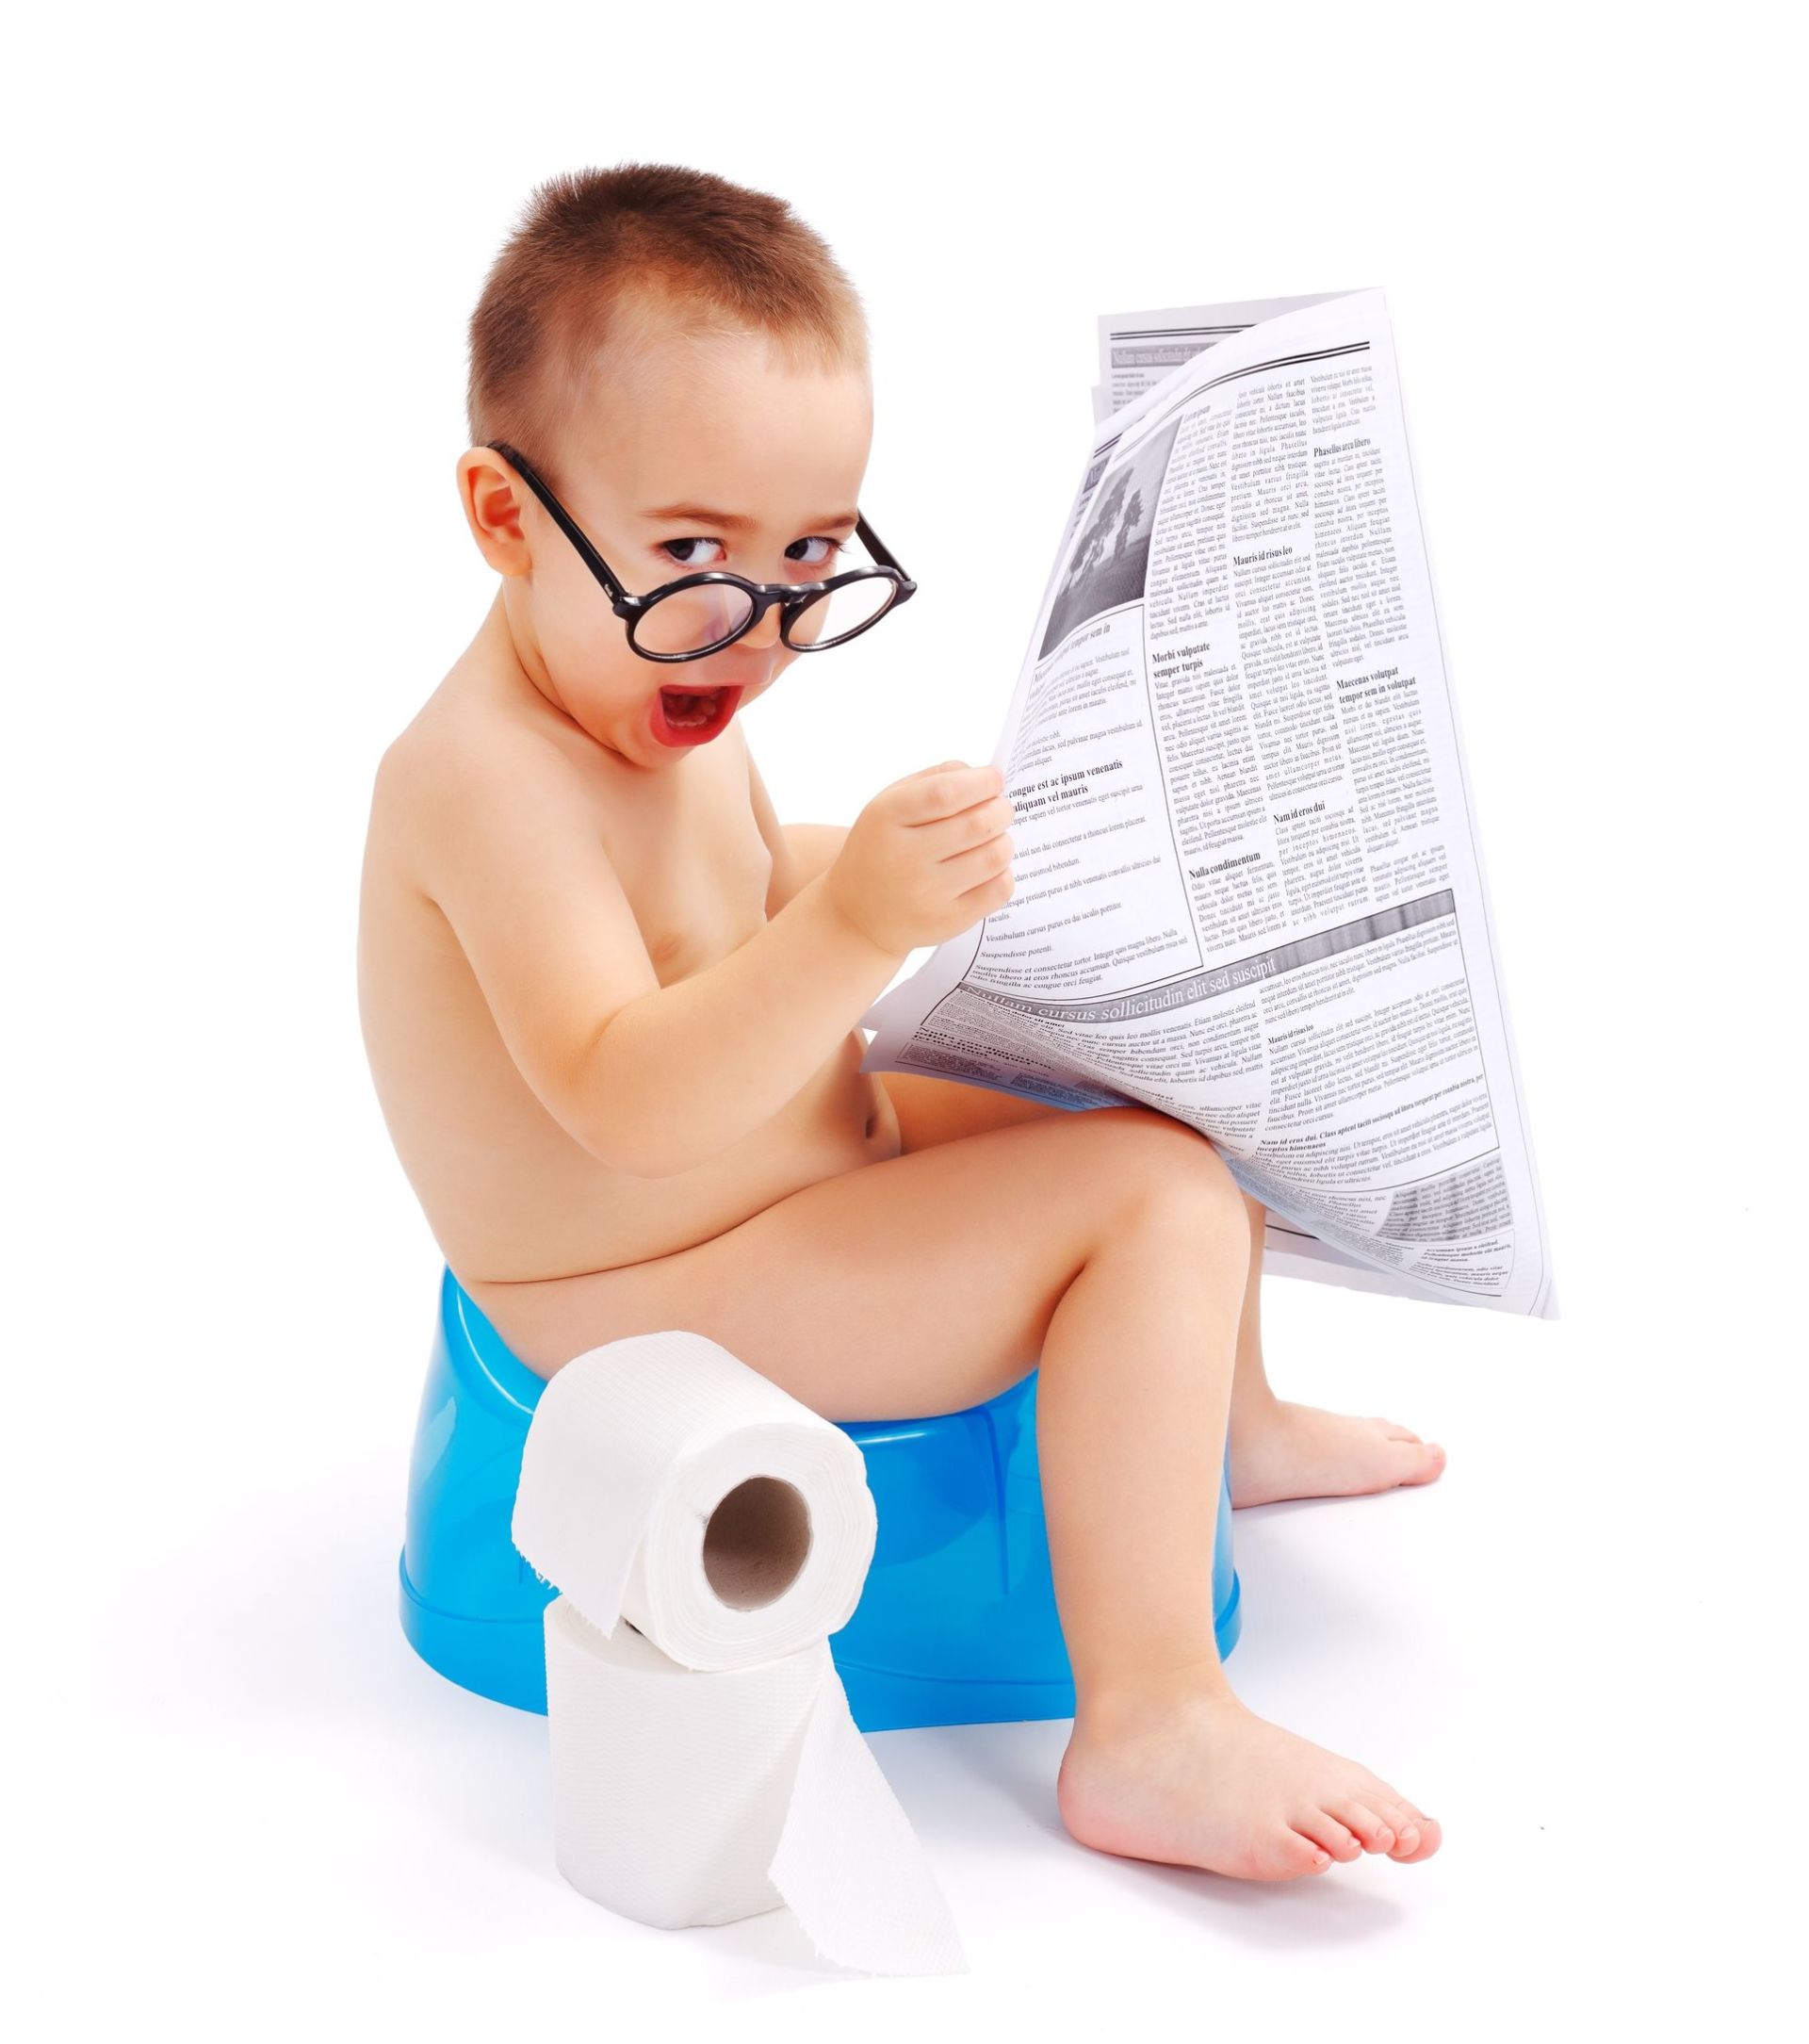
[465, 739]
[467, 756]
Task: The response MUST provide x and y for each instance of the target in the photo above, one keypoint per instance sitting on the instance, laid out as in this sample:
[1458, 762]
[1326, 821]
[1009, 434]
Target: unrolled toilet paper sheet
[685, 1798]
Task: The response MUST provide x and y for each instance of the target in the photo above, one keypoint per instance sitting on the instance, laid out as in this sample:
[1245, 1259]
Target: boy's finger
[982, 860]
[947, 790]
[923, 773]
[980, 822]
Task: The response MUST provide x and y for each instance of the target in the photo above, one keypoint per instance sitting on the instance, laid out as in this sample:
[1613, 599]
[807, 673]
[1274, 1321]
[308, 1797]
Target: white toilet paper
[666, 1482]
[705, 1763]
[682, 1798]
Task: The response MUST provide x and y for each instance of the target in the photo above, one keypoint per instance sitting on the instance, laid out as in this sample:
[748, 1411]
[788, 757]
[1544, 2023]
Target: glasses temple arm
[881, 552]
[563, 519]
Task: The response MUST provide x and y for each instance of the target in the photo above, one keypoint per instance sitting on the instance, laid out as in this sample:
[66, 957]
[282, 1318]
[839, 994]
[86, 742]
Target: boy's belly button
[880, 1125]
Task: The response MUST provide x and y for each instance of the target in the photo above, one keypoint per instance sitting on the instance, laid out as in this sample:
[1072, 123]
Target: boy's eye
[814, 552]
[679, 550]
[831, 547]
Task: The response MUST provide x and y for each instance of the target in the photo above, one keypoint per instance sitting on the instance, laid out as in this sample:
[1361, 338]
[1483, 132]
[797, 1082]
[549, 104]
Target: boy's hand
[926, 859]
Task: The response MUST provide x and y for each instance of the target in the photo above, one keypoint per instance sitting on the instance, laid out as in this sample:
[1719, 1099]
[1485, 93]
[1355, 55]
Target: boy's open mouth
[690, 716]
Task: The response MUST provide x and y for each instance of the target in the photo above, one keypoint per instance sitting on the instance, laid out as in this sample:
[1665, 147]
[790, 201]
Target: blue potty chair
[957, 1621]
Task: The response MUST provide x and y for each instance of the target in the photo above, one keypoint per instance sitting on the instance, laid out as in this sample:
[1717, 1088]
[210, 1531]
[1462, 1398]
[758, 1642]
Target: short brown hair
[715, 257]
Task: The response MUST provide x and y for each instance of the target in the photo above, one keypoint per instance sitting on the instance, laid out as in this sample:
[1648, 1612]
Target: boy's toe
[1294, 1853]
[1424, 1460]
[1417, 1836]
[1403, 1821]
[1336, 1837]
[1420, 1841]
[1373, 1833]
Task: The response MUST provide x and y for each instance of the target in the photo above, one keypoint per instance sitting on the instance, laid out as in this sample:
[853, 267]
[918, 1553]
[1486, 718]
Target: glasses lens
[851, 607]
[689, 619]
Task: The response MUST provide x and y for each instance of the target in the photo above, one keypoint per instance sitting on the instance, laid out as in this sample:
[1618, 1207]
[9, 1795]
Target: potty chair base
[956, 1623]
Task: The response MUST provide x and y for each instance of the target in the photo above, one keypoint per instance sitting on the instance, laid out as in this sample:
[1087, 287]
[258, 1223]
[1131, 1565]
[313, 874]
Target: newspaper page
[1249, 892]
[1138, 349]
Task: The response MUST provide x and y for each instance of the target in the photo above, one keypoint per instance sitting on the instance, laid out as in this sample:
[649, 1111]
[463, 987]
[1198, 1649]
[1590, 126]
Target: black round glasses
[703, 613]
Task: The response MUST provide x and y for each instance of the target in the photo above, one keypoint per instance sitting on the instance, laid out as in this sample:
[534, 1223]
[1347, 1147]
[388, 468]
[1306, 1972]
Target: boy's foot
[1204, 1782]
[1288, 1450]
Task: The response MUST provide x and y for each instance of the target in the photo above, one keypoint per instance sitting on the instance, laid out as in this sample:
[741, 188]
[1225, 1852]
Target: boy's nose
[758, 638]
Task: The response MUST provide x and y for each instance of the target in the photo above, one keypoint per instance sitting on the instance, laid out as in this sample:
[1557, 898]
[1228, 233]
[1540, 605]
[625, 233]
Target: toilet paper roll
[666, 1482]
[683, 1798]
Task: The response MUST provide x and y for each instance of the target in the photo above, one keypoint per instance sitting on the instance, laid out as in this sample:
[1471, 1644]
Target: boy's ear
[493, 510]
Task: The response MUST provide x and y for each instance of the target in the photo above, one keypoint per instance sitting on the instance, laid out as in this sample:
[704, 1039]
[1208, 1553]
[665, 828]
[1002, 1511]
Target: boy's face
[689, 425]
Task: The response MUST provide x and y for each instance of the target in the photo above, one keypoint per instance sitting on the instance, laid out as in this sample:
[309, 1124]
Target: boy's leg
[1278, 1448]
[1114, 1246]
[1281, 1449]
[932, 1111]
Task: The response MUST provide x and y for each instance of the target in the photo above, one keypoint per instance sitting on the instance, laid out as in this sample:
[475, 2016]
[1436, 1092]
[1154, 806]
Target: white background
[242, 246]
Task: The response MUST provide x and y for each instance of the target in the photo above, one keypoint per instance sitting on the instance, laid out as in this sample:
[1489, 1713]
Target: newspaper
[1138, 349]
[1249, 889]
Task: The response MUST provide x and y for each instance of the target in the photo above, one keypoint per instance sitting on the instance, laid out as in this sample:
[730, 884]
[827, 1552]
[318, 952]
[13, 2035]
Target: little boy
[610, 1002]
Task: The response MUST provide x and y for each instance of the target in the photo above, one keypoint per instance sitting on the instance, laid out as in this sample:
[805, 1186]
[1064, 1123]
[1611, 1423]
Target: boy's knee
[1157, 1167]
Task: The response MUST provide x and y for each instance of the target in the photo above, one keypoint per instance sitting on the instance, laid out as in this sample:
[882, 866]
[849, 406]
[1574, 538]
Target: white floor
[256, 1806]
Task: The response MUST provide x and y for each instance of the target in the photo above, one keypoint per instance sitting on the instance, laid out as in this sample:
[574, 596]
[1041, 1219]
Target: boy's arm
[651, 1080]
[800, 851]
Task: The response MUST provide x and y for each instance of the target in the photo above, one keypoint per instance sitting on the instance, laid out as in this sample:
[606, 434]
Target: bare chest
[696, 873]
